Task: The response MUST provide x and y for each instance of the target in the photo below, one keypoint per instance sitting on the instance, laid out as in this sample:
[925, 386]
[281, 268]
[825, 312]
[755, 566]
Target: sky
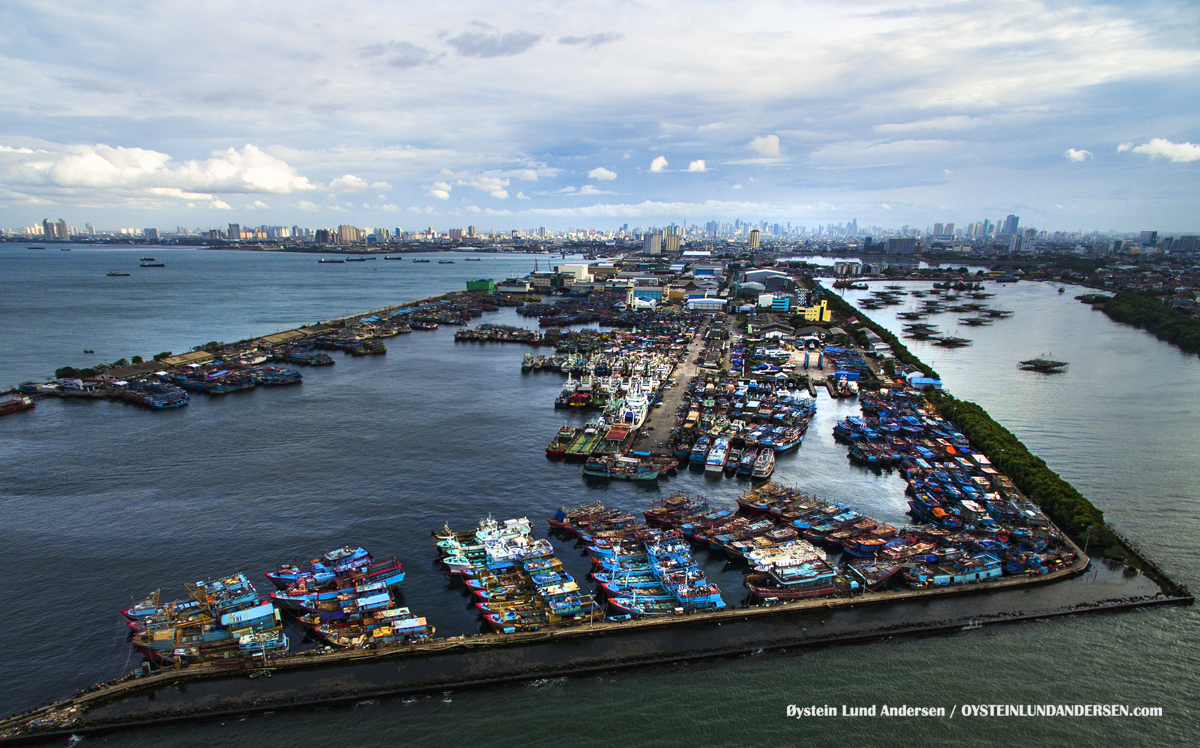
[592, 115]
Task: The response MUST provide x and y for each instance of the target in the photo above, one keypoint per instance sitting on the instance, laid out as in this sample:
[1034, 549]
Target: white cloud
[1160, 147]
[494, 186]
[658, 164]
[522, 196]
[588, 189]
[1124, 147]
[565, 190]
[954, 122]
[765, 145]
[697, 165]
[348, 183]
[135, 173]
[1072, 154]
[257, 205]
[737, 187]
[602, 174]
[380, 186]
[529, 175]
[390, 208]
[885, 206]
[307, 206]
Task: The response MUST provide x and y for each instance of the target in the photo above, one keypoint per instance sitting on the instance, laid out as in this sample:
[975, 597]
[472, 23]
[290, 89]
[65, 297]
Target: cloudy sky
[528, 113]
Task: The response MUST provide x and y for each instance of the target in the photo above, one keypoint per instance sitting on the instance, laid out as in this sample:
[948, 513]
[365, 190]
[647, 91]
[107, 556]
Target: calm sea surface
[101, 503]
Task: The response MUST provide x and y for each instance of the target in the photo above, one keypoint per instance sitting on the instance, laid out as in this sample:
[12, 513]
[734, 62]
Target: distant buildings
[898, 245]
[754, 239]
[1010, 225]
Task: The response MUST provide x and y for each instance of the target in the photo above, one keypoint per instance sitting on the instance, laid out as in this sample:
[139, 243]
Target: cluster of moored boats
[641, 570]
[516, 582]
[951, 485]
[220, 377]
[738, 427]
[342, 598]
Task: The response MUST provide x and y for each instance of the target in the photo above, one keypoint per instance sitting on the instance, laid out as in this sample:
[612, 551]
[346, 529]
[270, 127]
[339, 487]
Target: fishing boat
[562, 440]
[619, 467]
[146, 259]
[114, 274]
[152, 265]
[445, 262]
[473, 259]
[798, 581]
[715, 461]
[420, 260]
[330, 261]
[15, 405]
[323, 569]
[764, 464]
[746, 463]
[390, 257]
[700, 450]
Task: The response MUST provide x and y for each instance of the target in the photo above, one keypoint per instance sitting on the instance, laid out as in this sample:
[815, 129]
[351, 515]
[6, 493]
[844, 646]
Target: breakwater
[467, 662]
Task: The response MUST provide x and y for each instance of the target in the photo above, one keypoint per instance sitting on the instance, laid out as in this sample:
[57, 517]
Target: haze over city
[1073, 116]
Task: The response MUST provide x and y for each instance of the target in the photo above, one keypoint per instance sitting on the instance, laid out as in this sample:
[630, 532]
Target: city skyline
[1077, 118]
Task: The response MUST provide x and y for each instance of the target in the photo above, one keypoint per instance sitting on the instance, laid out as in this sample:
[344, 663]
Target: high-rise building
[471, 232]
[937, 229]
[91, 230]
[456, 235]
[652, 243]
[950, 229]
[151, 234]
[673, 242]
[1016, 243]
[235, 232]
[754, 235]
[1010, 225]
[47, 229]
[348, 234]
[60, 230]
[1148, 238]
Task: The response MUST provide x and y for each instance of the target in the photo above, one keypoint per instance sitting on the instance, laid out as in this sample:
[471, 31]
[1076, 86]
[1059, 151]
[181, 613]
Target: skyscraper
[47, 229]
[60, 230]
[235, 232]
[1010, 224]
[754, 239]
